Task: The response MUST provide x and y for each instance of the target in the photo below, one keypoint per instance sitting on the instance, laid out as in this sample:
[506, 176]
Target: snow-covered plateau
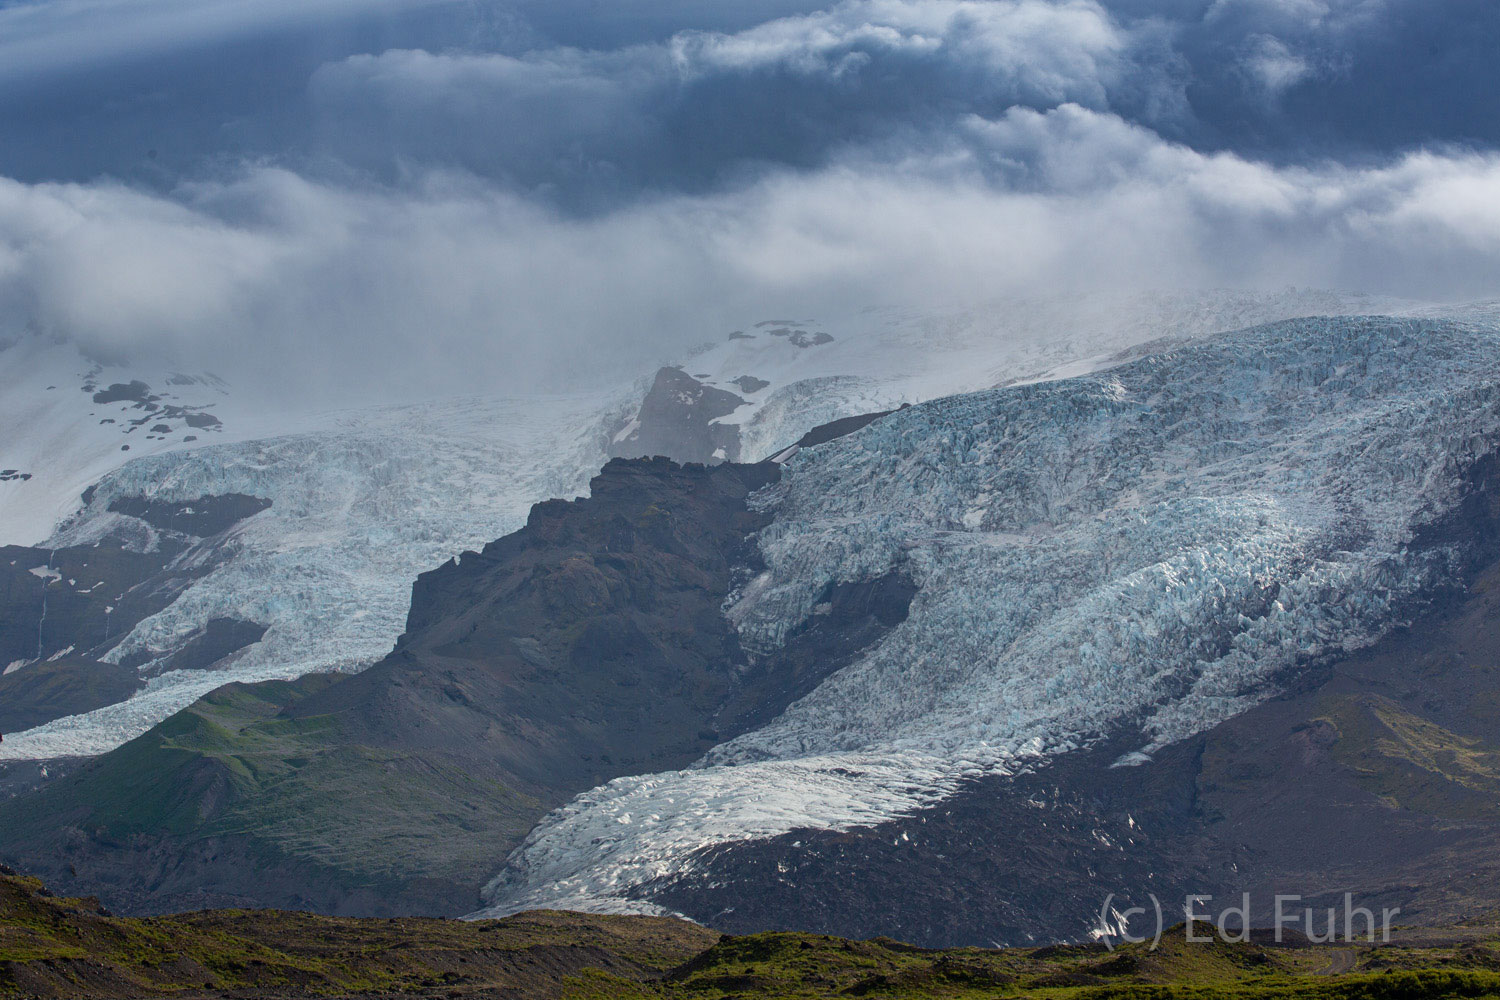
[363, 500]
[1152, 546]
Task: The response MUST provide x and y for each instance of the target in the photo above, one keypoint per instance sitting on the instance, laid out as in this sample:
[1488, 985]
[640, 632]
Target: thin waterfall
[42, 621]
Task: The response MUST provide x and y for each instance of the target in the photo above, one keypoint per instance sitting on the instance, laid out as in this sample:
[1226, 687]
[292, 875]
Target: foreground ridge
[56, 947]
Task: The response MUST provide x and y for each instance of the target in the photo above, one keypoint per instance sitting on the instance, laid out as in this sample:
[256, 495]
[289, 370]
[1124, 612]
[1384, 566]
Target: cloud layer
[476, 196]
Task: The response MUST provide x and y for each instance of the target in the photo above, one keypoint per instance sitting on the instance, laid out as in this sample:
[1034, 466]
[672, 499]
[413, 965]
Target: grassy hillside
[55, 947]
[230, 777]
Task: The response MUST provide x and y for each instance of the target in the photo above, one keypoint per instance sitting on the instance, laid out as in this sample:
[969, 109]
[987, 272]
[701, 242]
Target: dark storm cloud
[702, 108]
[1292, 78]
[591, 103]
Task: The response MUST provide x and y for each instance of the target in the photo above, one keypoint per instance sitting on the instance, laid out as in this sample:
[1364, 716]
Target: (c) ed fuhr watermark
[1203, 924]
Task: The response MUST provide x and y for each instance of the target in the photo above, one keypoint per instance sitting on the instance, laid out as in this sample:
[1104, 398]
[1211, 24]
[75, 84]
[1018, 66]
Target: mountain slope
[975, 642]
[1375, 775]
[357, 508]
[588, 645]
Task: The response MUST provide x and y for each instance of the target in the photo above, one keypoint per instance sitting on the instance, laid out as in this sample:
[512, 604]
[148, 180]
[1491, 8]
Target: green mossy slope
[232, 776]
[63, 948]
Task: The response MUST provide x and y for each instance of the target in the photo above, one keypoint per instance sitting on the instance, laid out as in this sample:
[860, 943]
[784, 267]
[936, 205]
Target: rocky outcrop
[588, 644]
[79, 600]
[57, 688]
[215, 642]
[63, 610]
[676, 420]
[203, 517]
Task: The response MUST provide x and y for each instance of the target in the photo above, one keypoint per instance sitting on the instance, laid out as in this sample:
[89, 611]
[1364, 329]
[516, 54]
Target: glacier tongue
[1151, 545]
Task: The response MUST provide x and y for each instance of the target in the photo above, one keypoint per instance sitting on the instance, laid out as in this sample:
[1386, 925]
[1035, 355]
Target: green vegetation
[801, 965]
[53, 947]
[1412, 763]
[289, 792]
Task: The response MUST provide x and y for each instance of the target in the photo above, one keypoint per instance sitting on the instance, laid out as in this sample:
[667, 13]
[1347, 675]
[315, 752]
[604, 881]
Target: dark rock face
[749, 383]
[62, 610]
[126, 392]
[801, 338]
[675, 421]
[588, 645]
[203, 517]
[83, 599]
[219, 639]
[153, 406]
[195, 419]
[824, 433]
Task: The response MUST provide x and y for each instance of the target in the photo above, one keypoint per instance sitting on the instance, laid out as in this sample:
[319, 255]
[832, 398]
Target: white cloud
[455, 282]
[1273, 66]
[788, 90]
[1049, 51]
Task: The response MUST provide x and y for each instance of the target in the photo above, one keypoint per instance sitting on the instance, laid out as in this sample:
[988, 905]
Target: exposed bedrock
[203, 517]
[64, 610]
[676, 420]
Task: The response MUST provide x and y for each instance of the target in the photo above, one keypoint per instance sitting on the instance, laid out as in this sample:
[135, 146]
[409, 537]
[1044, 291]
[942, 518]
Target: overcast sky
[502, 183]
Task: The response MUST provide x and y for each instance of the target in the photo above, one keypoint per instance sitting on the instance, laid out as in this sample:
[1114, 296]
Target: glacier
[365, 499]
[880, 358]
[1154, 547]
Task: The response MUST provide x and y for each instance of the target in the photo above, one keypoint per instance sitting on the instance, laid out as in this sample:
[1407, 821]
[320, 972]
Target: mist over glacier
[364, 499]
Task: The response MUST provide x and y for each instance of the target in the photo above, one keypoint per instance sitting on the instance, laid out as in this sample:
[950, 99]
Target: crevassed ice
[358, 510]
[883, 357]
[1147, 545]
